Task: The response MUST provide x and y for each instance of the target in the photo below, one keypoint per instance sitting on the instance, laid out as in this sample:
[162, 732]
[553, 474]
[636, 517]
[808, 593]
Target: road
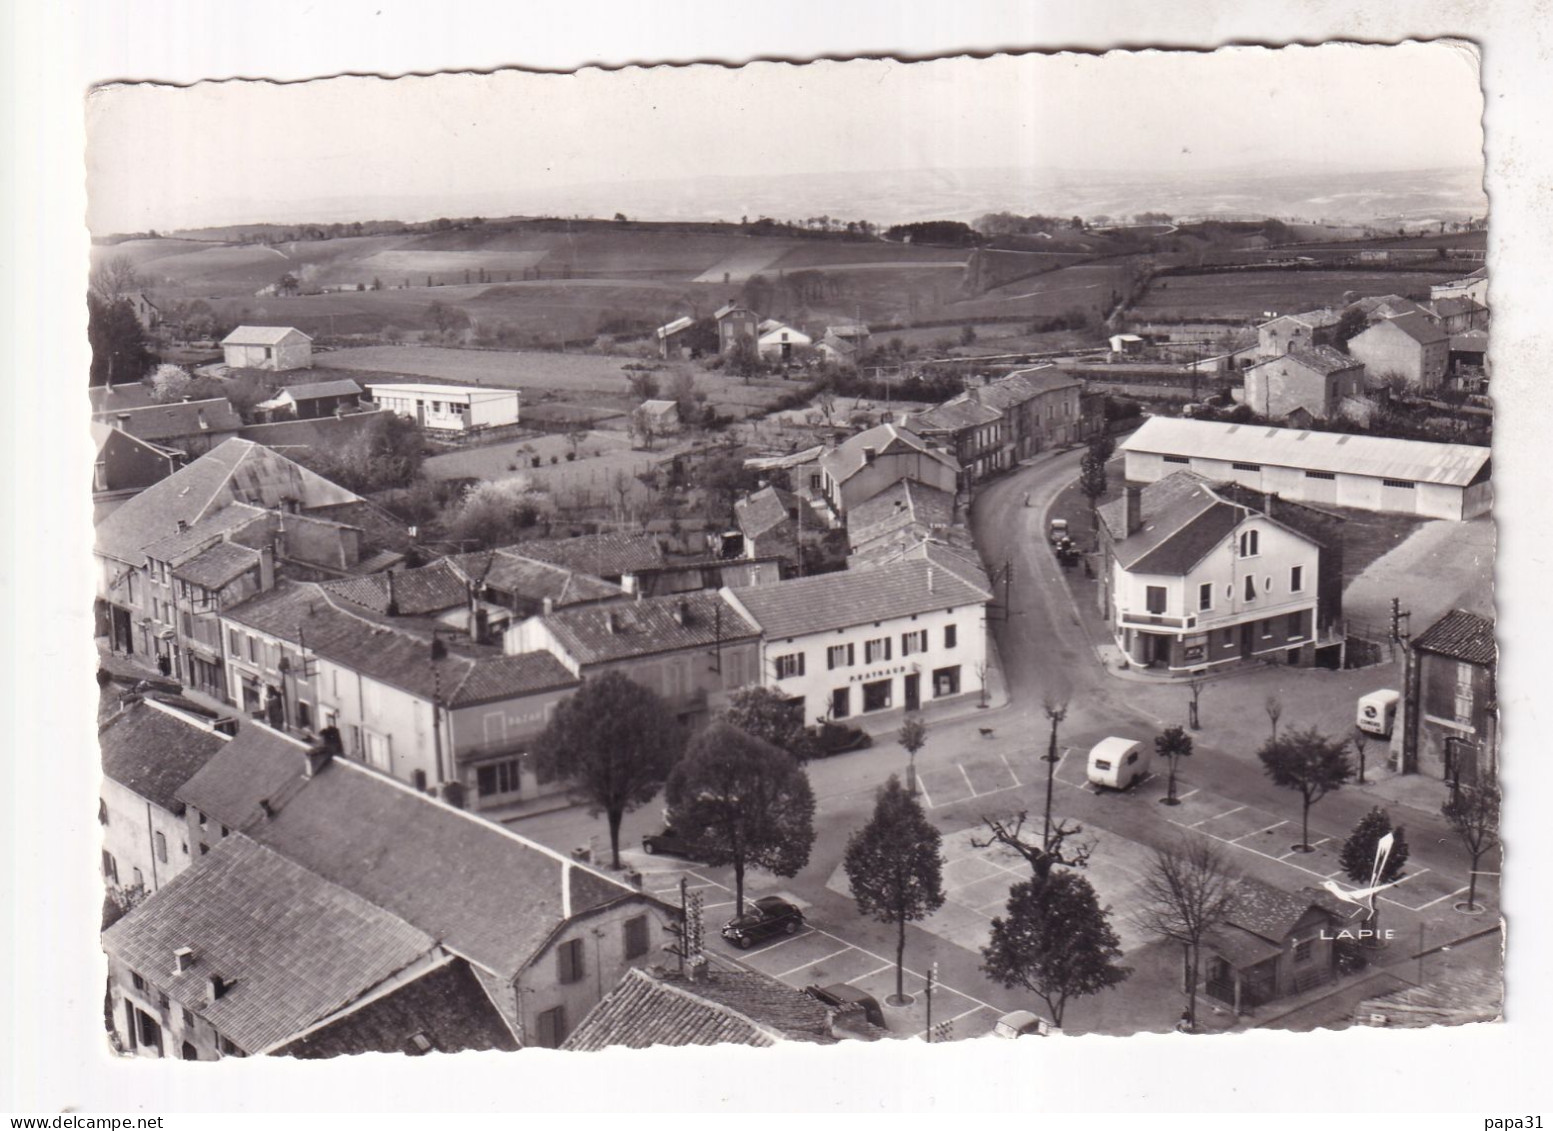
[966, 776]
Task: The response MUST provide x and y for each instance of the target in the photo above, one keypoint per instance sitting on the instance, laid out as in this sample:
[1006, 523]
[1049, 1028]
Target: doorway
[913, 692]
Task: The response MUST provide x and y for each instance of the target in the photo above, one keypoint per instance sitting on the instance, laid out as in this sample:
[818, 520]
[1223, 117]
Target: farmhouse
[1312, 328]
[1316, 380]
[778, 340]
[268, 347]
[147, 313]
[1193, 580]
[1409, 346]
[869, 462]
[1122, 344]
[127, 464]
[1374, 473]
[1457, 315]
[1452, 702]
[735, 321]
[882, 639]
[448, 408]
[838, 351]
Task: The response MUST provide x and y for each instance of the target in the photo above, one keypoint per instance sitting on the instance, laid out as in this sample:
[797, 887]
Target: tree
[119, 349]
[744, 357]
[967, 335]
[762, 713]
[644, 386]
[170, 383]
[1473, 811]
[1195, 685]
[1358, 854]
[494, 512]
[747, 803]
[1054, 940]
[895, 868]
[1092, 482]
[616, 742]
[722, 478]
[912, 737]
[1102, 448]
[288, 284]
[1188, 890]
[114, 278]
[1274, 708]
[1350, 324]
[1311, 764]
[446, 319]
[1172, 744]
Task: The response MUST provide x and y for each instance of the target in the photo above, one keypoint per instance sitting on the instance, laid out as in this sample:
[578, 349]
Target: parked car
[1023, 1023]
[1058, 531]
[671, 842]
[769, 915]
[840, 996]
[838, 738]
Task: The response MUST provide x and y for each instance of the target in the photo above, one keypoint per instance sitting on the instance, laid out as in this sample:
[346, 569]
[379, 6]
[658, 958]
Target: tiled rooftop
[153, 751]
[1460, 635]
[830, 601]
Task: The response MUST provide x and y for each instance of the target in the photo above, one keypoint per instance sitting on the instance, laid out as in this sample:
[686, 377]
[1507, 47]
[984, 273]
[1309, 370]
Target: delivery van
[1117, 763]
[1377, 711]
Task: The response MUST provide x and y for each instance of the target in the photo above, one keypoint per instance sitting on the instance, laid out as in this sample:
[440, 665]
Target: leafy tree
[1102, 448]
[170, 383]
[1358, 855]
[764, 714]
[446, 319]
[1189, 889]
[1474, 813]
[495, 512]
[1173, 744]
[912, 737]
[895, 869]
[1350, 324]
[1092, 482]
[119, 349]
[1054, 940]
[1309, 763]
[967, 335]
[747, 803]
[644, 386]
[616, 742]
[722, 478]
[744, 357]
[288, 284]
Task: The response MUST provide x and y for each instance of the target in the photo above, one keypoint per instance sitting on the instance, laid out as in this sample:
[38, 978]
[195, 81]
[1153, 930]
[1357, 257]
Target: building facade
[867, 463]
[1316, 381]
[974, 432]
[1452, 713]
[1410, 347]
[1308, 330]
[1042, 408]
[448, 408]
[276, 348]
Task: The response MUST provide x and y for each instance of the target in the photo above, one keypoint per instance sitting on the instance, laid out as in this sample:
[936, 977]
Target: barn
[268, 347]
[1373, 473]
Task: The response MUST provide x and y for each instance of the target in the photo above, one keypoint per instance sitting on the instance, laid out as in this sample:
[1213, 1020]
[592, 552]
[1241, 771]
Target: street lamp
[1359, 740]
[1056, 711]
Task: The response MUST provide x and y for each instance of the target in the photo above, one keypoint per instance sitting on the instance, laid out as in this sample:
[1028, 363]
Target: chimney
[183, 526]
[682, 612]
[479, 626]
[215, 988]
[611, 624]
[317, 756]
[393, 600]
[183, 958]
[200, 416]
[547, 606]
[264, 802]
[1132, 509]
[123, 422]
[699, 969]
[266, 568]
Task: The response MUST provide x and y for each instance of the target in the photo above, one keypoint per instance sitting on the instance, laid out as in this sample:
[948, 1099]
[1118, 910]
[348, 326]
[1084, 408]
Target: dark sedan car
[836, 738]
[671, 842]
[769, 915]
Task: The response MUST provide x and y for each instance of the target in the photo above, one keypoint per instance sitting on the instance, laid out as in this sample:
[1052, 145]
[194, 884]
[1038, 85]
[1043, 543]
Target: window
[876, 651]
[551, 1028]
[950, 636]
[1405, 484]
[200, 817]
[1302, 950]
[137, 981]
[102, 812]
[1249, 544]
[789, 666]
[229, 1049]
[946, 681]
[110, 866]
[161, 847]
[1296, 625]
[188, 1020]
[636, 940]
[1205, 595]
[1250, 588]
[1178, 459]
[841, 702]
[912, 642]
[569, 962]
[1156, 598]
[1266, 627]
[1246, 466]
[304, 716]
[1296, 579]
[878, 696]
[140, 880]
[840, 656]
[1320, 475]
[253, 650]
[498, 777]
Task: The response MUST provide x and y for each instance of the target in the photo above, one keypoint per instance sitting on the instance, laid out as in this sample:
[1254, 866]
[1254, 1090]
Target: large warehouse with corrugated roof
[1373, 473]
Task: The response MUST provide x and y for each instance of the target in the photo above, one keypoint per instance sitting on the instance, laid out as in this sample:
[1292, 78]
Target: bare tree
[1360, 740]
[1052, 849]
[621, 483]
[1189, 889]
[114, 278]
[1474, 813]
[1195, 685]
[1274, 708]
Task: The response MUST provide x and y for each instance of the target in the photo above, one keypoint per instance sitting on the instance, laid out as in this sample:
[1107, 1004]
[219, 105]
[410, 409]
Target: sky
[164, 157]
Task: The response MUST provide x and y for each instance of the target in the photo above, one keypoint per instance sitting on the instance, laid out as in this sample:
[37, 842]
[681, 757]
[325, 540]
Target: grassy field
[1246, 295]
[1090, 287]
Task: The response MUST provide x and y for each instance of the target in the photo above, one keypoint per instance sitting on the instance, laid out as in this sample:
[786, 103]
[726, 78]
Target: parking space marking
[1188, 793]
[888, 965]
[767, 948]
[1010, 769]
[966, 775]
[1216, 816]
[806, 965]
[1259, 832]
[1424, 906]
[871, 973]
[922, 789]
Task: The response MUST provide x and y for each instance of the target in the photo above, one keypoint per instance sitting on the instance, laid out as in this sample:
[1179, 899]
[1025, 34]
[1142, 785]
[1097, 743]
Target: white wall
[130, 836]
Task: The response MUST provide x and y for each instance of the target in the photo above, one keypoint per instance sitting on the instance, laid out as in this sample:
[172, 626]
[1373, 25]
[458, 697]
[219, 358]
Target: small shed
[1126, 343]
[275, 348]
[1274, 944]
[311, 400]
[671, 340]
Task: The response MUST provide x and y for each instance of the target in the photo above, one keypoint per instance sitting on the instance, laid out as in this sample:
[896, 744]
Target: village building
[1316, 381]
[447, 408]
[1192, 581]
[1409, 347]
[1374, 473]
[735, 321]
[1123, 345]
[127, 465]
[311, 400]
[512, 586]
[1042, 408]
[1272, 945]
[1376, 307]
[770, 523]
[357, 909]
[190, 426]
[1458, 314]
[671, 339]
[146, 312]
[777, 341]
[867, 463]
[1452, 707]
[975, 432]
[838, 351]
[869, 641]
[276, 348]
[1473, 286]
[694, 649]
[411, 696]
[904, 512]
[711, 1006]
[148, 751]
[654, 419]
[1312, 328]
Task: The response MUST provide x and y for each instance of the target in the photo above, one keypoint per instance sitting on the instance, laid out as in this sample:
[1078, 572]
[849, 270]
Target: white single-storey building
[1373, 473]
[268, 347]
[455, 408]
[778, 340]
